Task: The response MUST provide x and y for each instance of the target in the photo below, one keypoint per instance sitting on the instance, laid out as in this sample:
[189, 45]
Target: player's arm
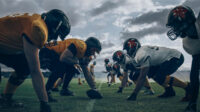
[125, 79]
[84, 65]
[31, 53]
[93, 93]
[144, 69]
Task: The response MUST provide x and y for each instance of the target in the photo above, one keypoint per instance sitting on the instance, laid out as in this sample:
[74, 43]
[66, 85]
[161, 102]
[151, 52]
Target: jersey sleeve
[142, 59]
[39, 34]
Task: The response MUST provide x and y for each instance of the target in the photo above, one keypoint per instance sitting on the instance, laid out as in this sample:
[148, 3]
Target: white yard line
[90, 105]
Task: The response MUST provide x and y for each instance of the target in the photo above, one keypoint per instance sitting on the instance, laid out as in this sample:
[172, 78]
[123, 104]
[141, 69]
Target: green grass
[112, 102]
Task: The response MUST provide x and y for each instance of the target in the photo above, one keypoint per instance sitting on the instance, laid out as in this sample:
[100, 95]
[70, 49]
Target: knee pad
[16, 80]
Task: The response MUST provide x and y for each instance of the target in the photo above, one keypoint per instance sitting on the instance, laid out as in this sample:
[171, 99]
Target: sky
[111, 21]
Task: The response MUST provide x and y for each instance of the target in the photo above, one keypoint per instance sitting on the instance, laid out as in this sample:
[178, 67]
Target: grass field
[112, 102]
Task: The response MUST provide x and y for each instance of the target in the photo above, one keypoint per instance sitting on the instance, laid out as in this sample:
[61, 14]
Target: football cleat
[169, 92]
[66, 92]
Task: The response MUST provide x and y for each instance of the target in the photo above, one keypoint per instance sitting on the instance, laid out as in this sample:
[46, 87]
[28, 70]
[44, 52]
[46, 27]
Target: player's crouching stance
[157, 63]
[116, 70]
[129, 65]
[184, 24]
[21, 37]
[70, 53]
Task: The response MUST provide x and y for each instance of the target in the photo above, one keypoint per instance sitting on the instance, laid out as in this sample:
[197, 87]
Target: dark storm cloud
[38, 6]
[106, 6]
[10, 7]
[146, 31]
[159, 17]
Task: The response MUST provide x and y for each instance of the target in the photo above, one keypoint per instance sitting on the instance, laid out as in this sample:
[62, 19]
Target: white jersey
[153, 55]
[192, 46]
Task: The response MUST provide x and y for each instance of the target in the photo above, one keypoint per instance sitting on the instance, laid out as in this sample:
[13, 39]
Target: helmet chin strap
[59, 24]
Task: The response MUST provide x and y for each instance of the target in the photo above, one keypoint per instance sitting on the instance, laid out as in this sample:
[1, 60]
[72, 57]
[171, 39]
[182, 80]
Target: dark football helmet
[118, 56]
[180, 19]
[131, 45]
[57, 23]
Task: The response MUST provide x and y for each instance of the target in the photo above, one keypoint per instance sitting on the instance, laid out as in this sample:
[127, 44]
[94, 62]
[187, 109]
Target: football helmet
[180, 20]
[131, 45]
[118, 56]
[57, 23]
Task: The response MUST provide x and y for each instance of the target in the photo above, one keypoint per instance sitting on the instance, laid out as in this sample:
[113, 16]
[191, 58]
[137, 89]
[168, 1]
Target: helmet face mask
[106, 61]
[93, 46]
[53, 31]
[93, 52]
[177, 30]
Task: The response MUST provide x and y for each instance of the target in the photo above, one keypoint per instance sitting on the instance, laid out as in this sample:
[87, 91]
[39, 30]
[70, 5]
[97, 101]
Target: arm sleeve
[72, 48]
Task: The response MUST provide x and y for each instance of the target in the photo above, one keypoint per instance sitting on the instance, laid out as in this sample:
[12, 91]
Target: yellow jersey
[62, 45]
[12, 28]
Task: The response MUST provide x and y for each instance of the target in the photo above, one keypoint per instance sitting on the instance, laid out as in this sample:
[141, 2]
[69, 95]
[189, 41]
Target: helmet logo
[179, 12]
[119, 54]
[131, 43]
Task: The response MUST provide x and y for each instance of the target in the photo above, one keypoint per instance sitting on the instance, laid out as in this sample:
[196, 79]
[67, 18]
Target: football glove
[132, 97]
[94, 94]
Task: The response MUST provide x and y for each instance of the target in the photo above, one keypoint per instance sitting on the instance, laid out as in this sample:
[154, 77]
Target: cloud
[106, 6]
[147, 31]
[159, 17]
[107, 45]
[74, 13]
[10, 7]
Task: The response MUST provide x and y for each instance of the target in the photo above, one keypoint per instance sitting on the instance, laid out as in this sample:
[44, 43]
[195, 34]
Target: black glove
[132, 97]
[44, 107]
[120, 90]
[94, 94]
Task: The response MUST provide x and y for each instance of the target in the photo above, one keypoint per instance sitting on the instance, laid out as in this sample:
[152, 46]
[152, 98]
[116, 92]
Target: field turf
[112, 101]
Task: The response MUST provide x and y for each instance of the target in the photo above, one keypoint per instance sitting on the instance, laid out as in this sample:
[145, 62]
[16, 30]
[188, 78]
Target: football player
[116, 70]
[155, 62]
[128, 65]
[65, 56]
[21, 37]
[108, 67]
[185, 25]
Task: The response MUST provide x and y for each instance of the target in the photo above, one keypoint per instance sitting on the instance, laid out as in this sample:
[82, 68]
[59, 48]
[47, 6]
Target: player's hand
[94, 94]
[132, 97]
